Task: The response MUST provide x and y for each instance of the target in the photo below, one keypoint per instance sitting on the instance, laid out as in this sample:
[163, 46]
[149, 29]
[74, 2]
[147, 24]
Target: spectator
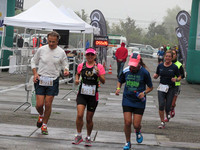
[20, 42]
[44, 41]
[160, 54]
[39, 42]
[87, 45]
[121, 55]
[34, 41]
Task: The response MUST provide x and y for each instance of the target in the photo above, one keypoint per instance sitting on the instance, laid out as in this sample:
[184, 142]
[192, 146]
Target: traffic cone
[110, 70]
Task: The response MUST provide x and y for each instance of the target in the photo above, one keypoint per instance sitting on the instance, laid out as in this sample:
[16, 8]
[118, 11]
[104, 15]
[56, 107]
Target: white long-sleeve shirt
[50, 62]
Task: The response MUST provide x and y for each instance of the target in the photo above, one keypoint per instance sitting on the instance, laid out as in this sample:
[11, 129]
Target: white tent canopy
[44, 15]
[70, 13]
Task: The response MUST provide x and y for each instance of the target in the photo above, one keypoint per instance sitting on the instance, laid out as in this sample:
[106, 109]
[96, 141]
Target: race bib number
[163, 88]
[88, 89]
[46, 81]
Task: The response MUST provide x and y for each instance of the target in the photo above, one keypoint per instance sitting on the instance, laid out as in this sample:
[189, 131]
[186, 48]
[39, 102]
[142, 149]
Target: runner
[167, 72]
[91, 73]
[50, 59]
[136, 78]
[177, 84]
[160, 54]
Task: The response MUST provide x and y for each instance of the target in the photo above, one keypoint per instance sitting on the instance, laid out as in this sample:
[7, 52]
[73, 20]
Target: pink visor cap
[90, 50]
[134, 59]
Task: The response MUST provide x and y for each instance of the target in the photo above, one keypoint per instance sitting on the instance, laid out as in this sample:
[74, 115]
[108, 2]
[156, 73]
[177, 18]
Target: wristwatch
[145, 93]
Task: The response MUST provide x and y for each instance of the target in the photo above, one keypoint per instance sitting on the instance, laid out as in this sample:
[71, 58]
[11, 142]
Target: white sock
[42, 115]
[88, 137]
[44, 124]
[79, 134]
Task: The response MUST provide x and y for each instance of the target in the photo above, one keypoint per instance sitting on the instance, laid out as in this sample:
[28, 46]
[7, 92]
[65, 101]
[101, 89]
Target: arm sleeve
[181, 70]
[148, 80]
[79, 68]
[64, 62]
[126, 55]
[122, 78]
[35, 59]
[116, 54]
[101, 69]
[177, 72]
[157, 70]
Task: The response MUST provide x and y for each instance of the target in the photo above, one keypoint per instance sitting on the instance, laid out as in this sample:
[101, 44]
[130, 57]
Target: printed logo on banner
[178, 33]
[182, 19]
[95, 24]
[182, 32]
[96, 16]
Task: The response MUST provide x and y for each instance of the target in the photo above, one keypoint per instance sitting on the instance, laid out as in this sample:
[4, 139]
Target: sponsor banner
[97, 17]
[3, 10]
[182, 32]
[98, 20]
[97, 25]
[183, 43]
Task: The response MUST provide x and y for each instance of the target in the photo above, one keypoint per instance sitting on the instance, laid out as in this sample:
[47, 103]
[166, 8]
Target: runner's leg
[89, 120]
[127, 125]
[79, 118]
[40, 103]
[48, 108]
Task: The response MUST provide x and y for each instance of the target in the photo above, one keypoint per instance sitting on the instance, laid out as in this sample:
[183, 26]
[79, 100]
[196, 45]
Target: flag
[182, 32]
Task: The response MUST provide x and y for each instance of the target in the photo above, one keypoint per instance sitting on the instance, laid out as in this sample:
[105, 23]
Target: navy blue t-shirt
[167, 73]
[134, 82]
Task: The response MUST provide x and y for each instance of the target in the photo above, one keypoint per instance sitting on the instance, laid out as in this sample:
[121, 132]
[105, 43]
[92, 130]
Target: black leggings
[165, 99]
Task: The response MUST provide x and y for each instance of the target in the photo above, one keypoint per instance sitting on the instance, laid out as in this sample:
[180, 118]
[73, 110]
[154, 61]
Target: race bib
[160, 57]
[46, 81]
[163, 88]
[88, 89]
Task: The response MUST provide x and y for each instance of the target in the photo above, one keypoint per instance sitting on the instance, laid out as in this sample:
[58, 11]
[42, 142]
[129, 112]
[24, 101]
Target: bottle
[137, 94]
[94, 68]
[94, 71]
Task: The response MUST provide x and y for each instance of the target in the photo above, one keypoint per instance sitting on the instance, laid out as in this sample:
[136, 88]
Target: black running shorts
[139, 111]
[89, 101]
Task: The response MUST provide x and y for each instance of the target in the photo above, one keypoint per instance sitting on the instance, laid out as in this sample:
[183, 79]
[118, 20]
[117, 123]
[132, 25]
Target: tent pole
[83, 46]
[92, 39]
[24, 35]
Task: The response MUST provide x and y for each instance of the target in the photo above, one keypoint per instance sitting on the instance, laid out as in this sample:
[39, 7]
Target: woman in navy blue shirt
[167, 72]
[136, 78]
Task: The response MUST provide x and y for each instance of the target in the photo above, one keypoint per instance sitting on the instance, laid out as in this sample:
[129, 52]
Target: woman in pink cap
[91, 73]
[135, 77]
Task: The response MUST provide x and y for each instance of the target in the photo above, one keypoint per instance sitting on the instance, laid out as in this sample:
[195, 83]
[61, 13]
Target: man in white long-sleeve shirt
[50, 60]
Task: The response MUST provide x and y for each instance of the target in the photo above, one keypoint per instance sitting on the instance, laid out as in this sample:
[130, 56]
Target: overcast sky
[142, 11]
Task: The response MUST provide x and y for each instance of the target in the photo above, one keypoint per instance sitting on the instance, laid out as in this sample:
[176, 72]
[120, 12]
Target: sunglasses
[88, 54]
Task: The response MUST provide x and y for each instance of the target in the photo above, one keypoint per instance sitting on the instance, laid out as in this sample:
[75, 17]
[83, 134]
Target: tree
[156, 35]
[170, 23]
[82, 15]
[18, 11]
[154, 29]
[129, 30]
